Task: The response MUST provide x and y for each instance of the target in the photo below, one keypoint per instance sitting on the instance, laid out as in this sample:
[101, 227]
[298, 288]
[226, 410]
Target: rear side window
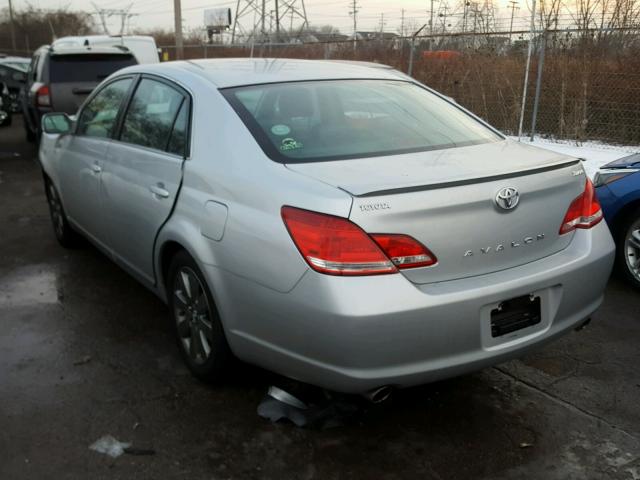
[98, 117]
[178, 139]
[86, 67]
[151, 114]
[343, 119]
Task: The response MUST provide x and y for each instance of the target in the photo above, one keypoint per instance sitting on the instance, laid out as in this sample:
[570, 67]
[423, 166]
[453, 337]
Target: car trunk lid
[447, 201]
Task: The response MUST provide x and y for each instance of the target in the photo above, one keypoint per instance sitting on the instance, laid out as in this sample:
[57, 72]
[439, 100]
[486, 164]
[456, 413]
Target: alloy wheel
[632, 249]
[192, 315]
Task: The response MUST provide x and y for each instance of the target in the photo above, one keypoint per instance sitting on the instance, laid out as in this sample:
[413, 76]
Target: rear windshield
[87, 67]
[342, 119]
[22, 66]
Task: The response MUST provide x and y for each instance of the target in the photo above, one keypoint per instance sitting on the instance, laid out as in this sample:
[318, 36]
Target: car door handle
[96, 168]
[158, 191]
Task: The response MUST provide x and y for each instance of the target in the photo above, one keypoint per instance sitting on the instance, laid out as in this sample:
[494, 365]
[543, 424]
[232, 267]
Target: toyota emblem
[508, 198]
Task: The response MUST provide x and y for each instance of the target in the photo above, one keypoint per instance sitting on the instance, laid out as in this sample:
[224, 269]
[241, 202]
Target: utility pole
[532, 30]
[277, 23]
[413, 48]
[402, 24]
[354, 13]
[13, 33]
[464, 15]
[177, 16]
[513, 6]
[381, 26]
[431, 19]
[262, 19]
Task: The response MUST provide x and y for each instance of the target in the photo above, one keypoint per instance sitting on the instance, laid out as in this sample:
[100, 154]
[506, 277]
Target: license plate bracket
[515, 314]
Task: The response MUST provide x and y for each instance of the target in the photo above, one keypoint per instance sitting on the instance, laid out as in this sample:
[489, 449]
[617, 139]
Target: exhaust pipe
[378, 395]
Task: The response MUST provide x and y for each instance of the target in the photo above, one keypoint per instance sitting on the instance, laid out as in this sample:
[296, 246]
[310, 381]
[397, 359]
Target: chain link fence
[588, 92]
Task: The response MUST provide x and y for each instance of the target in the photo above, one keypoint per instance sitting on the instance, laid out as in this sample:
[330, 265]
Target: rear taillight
[336, 246]
[404, 251]
[584, 211]
[43, 96]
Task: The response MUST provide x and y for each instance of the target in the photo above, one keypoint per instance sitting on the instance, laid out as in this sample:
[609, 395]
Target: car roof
[235, 72]
[81, 38]
[8, 59]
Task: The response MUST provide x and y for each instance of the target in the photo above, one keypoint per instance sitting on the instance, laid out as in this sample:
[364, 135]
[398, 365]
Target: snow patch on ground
[595, 154]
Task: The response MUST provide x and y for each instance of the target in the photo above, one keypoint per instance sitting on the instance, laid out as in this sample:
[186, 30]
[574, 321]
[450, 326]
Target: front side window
[342, 119]
[151, 114]
[98, 117]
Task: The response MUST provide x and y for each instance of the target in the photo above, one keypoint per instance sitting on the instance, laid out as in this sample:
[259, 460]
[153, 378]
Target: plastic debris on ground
[316, 408]
[114, 448]
[109, 446]
[83, 360]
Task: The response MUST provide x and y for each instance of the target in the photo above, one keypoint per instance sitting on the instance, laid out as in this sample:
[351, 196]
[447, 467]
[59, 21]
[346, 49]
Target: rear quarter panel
[228, 167]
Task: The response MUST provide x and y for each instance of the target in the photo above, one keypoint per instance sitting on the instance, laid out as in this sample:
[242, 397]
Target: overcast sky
[159, 13]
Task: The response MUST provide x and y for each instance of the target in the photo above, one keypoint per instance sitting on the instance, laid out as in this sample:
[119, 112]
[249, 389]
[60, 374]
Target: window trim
[173, 126]
[267, 147]
[95, 93]
[186, 96]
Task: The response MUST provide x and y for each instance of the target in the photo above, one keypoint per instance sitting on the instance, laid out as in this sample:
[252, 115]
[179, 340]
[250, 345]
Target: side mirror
[56, 123]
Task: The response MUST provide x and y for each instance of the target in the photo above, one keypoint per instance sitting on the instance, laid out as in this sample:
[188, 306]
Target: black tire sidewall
[69, 237]
[218, 363]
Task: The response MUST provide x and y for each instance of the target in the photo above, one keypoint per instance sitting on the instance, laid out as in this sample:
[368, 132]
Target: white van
[143, 47]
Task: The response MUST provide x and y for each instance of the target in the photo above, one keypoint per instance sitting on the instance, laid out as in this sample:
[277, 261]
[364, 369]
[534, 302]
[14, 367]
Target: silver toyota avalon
[336, 222]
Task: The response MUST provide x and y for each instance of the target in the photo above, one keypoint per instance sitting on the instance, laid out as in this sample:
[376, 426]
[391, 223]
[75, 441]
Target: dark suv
[59, 80]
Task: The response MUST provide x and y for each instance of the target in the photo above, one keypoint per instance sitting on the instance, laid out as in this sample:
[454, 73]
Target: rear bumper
[355, 334]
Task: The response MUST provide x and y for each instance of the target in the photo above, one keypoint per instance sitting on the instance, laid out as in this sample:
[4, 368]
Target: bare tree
[37, 27]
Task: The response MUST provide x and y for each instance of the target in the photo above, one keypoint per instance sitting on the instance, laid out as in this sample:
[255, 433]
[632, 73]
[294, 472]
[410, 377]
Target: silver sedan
[336, 222]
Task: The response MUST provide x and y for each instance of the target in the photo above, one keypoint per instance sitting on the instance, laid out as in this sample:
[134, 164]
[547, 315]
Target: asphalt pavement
[85, 352]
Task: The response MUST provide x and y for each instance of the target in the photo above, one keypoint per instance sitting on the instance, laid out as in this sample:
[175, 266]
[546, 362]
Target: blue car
[618, 187]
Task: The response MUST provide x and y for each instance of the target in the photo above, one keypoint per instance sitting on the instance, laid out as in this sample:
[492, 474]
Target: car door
[84, 154]
[143, 171]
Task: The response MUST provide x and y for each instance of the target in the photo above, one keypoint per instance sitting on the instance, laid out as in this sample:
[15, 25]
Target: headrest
[296, 102]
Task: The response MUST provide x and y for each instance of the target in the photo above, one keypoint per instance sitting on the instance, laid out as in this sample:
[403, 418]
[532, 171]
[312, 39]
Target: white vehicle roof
[235, 72]
[143, 47]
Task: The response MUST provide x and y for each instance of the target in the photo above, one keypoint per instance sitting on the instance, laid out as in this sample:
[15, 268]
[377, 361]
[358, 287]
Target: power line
[106, 13]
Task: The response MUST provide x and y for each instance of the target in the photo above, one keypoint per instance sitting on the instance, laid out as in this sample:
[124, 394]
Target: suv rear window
[87, 67]
[342, 119]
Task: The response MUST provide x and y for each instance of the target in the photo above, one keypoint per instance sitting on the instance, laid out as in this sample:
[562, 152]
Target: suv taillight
[336, 246]
[43, 96]
[584, 211]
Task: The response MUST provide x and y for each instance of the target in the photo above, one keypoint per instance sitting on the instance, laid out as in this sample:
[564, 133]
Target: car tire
[628, 249]
[66, 236]
[199, 332]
